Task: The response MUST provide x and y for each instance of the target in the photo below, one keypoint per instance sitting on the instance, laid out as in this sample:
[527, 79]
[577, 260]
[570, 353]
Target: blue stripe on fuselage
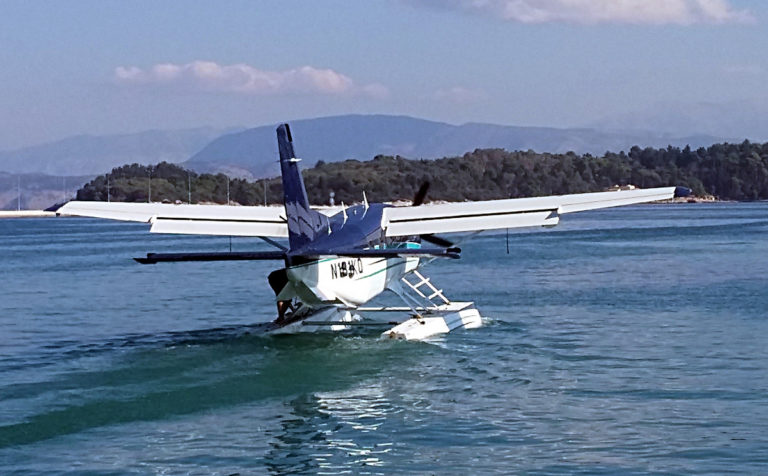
[362, 229]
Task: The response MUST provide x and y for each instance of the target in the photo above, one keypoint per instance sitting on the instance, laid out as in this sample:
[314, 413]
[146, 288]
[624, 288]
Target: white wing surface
[189, 219]
[512, 213]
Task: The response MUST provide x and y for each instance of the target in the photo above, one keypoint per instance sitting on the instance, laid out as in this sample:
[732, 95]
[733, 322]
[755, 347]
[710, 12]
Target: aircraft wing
[511, 213]
[189, 219]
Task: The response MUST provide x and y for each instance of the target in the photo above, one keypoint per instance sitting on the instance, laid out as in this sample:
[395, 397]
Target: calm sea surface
[626, 341]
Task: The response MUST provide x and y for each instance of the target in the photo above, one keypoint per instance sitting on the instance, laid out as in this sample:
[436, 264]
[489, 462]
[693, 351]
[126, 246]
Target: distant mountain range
[93, 155]
[37, 191]
[253, 152]
[741, 119]
[362, 137]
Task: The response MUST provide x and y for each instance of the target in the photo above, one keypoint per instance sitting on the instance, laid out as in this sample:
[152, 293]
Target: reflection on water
[332, 432]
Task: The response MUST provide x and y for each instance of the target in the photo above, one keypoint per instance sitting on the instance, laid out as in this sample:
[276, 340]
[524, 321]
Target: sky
[107, 67]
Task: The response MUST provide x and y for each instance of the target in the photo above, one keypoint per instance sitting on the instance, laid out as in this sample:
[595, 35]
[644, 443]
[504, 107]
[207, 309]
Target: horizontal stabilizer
[394, 252]
[153, 258]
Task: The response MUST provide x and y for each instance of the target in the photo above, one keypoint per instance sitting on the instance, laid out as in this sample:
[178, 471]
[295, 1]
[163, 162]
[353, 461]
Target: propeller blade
[421, 194]
[436, 240]
[418, 199]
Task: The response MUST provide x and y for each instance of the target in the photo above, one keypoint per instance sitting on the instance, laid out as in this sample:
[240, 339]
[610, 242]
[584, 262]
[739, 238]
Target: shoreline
[695, 199]
[26, 214]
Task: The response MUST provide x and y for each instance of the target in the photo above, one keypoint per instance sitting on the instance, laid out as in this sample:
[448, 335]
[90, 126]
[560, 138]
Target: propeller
[436, 240]
[421, 194]
[418, 199]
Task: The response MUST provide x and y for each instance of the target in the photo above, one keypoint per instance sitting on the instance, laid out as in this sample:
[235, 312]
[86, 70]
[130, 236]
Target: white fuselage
[343, 280]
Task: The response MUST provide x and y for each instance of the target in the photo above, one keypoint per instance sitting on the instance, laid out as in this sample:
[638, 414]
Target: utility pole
[265, 192]
[149, 193]
[227, 190]
[189, 189]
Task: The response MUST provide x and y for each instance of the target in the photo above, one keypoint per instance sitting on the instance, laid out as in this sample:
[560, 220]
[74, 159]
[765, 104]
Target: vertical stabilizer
[303, 222]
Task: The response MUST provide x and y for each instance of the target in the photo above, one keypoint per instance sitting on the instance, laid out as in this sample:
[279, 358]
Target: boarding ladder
[431, 291]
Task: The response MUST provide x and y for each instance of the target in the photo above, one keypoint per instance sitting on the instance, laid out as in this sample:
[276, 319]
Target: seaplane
[338, 259]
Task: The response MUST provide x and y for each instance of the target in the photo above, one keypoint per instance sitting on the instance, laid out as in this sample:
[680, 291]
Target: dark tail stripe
[303, 222]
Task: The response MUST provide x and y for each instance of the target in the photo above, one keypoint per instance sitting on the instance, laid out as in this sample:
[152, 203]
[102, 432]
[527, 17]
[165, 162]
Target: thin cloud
[245, 79]
[652, 12]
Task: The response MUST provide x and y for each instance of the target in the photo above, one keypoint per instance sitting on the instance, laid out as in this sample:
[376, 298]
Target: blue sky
[100, 67]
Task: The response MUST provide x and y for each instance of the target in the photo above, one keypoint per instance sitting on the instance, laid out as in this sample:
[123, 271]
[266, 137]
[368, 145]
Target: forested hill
[727, 171]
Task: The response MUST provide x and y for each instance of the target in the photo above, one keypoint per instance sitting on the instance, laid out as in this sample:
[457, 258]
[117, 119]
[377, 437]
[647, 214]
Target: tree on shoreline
[727, 171]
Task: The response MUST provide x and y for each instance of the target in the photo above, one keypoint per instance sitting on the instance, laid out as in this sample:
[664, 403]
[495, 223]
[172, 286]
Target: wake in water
[153, 377]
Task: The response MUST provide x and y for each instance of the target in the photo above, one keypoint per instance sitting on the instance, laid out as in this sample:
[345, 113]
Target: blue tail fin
[303, 222]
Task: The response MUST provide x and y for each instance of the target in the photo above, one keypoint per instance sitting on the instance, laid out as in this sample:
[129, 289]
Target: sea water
[624, 341]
